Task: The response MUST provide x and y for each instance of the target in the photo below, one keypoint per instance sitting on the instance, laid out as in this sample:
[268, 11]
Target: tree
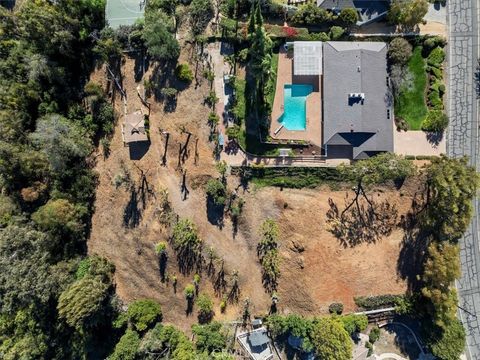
[142, 314]
[160, 42]
[19, 285]
[61, 141]
[201, 11]
[205, 308]
[348, 16]
[82, 304]
[450, 343]
[330, 340]
[126, 348]
[209, 337]
[399, 51]
[407, 13]
[441, 269]
[184, 73]
[60, 217]
[163, 337]
[336, 32]
[216, 191]
[267, 251]
[436, 121]
[354, 323]
[187, 244]
[451, 185]
[310, 14]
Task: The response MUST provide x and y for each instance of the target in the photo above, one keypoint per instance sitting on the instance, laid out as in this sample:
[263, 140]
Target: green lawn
[410, 103]
[240, 106]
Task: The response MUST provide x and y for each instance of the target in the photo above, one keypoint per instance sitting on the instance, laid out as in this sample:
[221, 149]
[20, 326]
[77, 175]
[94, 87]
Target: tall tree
[330, 340]
[407, 13]
[450, 187]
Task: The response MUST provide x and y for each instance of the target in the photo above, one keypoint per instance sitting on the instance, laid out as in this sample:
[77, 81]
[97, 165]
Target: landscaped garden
[410, 103]
[418, 84]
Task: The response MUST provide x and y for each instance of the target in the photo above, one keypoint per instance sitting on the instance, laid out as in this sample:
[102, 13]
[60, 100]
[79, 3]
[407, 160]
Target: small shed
[133, 129]
[257, 344]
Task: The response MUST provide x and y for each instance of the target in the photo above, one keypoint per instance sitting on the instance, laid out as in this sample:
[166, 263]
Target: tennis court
[123, 12]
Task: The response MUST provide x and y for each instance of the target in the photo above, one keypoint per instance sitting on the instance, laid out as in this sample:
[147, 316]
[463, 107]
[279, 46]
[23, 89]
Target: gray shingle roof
[258, 338]
[356, 97]
[134, 127]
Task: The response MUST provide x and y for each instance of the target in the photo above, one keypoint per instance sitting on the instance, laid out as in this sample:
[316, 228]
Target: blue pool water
[295, 108]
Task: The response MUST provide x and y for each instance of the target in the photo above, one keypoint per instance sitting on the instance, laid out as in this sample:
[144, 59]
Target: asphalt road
[463, 139]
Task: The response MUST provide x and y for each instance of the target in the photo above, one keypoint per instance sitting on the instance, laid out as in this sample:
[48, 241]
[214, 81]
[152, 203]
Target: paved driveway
[418, 143]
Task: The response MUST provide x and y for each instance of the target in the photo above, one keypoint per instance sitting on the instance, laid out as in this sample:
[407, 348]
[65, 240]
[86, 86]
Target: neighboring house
[133, 129]
[368, 10]
[357, 103]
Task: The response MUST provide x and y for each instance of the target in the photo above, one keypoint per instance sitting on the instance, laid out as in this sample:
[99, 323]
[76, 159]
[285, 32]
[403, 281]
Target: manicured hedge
[292, 177]
[377, 302]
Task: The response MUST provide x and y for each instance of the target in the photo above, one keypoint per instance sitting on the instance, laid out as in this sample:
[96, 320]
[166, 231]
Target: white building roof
[307, 58]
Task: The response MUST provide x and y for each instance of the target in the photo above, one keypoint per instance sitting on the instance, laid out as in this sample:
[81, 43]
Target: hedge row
[291, 177]
[377, 302]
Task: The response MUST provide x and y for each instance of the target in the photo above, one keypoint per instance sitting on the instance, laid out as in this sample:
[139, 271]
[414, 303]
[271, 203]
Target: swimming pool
[294, 115]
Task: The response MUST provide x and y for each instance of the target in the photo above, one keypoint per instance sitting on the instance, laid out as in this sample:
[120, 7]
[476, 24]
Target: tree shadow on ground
[215, 213]
[367, 222]
[142, 63]
[403, 339]
[414, 246]
[434, 138]
[132, 213]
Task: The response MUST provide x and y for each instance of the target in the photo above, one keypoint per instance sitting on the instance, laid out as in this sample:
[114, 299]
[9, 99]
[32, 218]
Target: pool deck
[313, 133]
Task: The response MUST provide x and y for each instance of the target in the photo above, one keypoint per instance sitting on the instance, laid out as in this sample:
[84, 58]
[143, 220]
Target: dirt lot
[312, 278]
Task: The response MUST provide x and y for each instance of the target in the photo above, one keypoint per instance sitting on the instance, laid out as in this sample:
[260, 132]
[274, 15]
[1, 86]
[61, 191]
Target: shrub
[216, 191]
[160, 248]
[399, 51]
[354, 323]
[436, 72]
[434, 100]
[205, 309]
[374, 334]
[436, 121]
[233, 132]
[322, 36]
[436, 57]
[144, 313]
[189, 292]
[169, 92]
[211, 99]
[213, 120]
[369, 346]
[290, 32]
[336, 32]
[184, 73]
[335, 308]
[348, 16]
[432, 42]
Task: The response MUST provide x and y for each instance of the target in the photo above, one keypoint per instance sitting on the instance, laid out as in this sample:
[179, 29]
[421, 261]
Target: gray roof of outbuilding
[361, 68]
[335, 4]
[307, 57]
[258, 338]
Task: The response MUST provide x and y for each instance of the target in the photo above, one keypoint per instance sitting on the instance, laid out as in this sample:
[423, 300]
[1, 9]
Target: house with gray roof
[368, 10]
[357, 104]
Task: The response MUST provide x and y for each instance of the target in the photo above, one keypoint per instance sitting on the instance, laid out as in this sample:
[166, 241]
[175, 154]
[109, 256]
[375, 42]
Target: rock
[300, 261]
[297, 246]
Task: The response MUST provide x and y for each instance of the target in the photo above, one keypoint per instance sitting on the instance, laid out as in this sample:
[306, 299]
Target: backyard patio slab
[313, 132]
